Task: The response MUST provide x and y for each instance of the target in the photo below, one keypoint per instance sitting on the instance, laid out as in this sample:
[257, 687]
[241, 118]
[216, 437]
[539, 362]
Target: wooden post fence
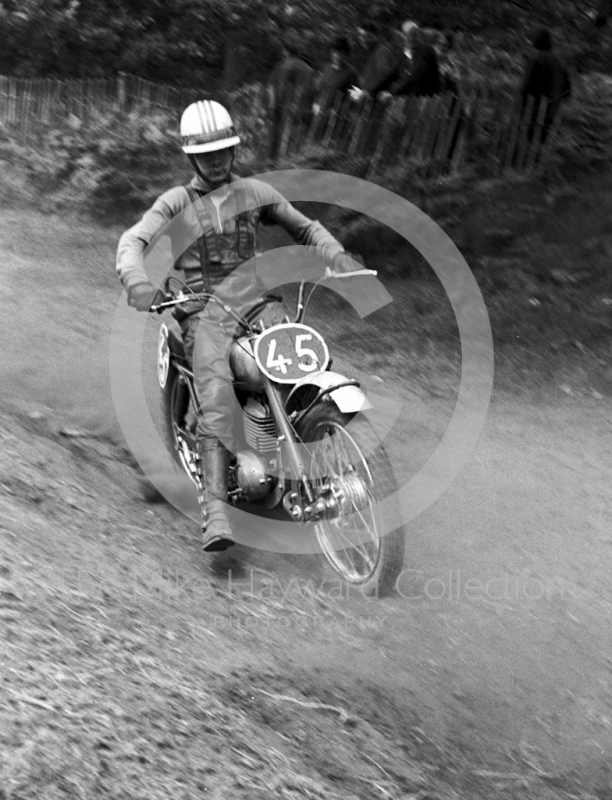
[435, 132]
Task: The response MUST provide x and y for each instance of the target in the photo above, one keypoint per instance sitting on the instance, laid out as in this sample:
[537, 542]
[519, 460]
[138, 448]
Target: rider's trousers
[207, 337]
[207, 345]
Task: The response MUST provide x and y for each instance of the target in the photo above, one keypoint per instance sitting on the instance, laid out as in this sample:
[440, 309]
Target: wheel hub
[347, 493]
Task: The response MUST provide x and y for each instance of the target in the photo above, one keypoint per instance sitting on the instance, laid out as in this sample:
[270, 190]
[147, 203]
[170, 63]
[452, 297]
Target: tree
[192, 42]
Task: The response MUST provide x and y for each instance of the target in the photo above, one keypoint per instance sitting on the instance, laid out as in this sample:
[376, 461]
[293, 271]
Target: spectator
[364, 44]
[603, 13]
[451, 82]
[451, 73]
[418, 69]
[291, 92]
[379, 72]
[337, 77]
[545, 77]
[381, 67]
[434, 37]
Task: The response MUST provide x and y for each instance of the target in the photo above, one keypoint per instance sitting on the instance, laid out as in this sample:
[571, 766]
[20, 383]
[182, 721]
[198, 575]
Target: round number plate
[287, 352]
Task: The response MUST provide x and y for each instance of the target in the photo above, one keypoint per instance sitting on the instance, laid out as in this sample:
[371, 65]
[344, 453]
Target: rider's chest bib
[228, 254]
[224, 243]
[228, 243]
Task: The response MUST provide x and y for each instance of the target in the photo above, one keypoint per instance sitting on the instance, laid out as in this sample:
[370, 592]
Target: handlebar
[175, 301]
[353, 273]
[181, 297]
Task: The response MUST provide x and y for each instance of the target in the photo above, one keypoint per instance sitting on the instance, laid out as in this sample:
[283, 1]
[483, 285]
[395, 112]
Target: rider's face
[215, 166]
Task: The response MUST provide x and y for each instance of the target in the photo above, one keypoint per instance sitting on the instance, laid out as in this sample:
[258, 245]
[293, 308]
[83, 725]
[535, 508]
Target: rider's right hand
[144, 295]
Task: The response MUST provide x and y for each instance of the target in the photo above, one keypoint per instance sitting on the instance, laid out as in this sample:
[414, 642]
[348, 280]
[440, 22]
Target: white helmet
[206, 126]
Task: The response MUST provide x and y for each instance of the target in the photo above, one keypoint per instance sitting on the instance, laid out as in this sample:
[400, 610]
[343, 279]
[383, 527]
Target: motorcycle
[308, 449]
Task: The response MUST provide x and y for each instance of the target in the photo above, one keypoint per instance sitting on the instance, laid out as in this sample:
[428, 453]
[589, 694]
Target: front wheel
[355, 469]
[175, 412]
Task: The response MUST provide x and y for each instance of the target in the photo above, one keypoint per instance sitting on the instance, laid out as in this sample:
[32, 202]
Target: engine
[259, 426]
[260, 435]
[251, 475]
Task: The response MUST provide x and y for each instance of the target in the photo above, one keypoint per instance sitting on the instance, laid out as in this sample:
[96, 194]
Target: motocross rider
[229, 239]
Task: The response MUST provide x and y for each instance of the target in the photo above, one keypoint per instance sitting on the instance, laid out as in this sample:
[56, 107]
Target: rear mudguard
[349, 399]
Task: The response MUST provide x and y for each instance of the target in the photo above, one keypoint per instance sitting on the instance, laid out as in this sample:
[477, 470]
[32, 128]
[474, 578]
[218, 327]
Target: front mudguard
[349, 399]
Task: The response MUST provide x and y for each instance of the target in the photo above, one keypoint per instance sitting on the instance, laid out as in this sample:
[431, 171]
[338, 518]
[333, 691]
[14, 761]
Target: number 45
[304, 351]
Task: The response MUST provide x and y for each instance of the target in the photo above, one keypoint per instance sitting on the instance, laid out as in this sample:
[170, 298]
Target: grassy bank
[541, 257]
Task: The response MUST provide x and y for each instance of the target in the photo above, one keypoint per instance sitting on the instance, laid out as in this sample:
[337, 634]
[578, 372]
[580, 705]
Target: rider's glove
[143, 296]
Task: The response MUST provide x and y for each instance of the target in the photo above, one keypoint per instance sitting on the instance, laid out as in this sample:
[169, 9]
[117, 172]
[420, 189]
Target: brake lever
[161, 307]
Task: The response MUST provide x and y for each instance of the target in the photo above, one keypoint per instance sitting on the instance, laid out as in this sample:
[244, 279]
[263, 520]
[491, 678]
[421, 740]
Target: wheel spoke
[336, 458]
[358, 511]
[341, 534]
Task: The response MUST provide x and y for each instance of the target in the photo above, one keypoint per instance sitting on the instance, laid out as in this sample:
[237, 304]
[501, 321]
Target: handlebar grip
[354, 272]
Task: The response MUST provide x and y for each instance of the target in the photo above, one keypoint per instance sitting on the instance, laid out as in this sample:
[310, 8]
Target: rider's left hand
[145, 295]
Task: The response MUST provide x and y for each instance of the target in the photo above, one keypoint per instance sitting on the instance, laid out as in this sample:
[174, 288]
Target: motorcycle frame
[285, 425]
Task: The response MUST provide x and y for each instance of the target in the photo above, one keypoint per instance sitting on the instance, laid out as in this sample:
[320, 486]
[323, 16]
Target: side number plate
[287, 352]
[163, 356]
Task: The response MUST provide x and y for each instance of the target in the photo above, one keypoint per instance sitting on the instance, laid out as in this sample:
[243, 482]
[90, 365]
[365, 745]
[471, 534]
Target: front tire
[174, 404]
[356, 466]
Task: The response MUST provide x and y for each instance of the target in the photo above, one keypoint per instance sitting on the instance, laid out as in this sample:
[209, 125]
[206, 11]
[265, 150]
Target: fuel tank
[243, 365]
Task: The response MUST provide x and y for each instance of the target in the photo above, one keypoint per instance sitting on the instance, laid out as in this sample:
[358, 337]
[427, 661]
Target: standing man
[291, 92]
[337, 77]
[419, 73]
[603, 13]
[379, 72]
[451, 70]
[364, 43]
[381, 67]
[545, 77]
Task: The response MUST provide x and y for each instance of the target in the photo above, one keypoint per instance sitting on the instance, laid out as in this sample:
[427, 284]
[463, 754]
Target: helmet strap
[194, 164]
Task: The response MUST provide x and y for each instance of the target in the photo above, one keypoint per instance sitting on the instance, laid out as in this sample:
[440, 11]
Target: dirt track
[490, 676]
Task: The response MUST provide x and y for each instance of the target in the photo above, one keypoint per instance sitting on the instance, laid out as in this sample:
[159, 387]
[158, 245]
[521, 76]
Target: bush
[586, 133]
[113, 168]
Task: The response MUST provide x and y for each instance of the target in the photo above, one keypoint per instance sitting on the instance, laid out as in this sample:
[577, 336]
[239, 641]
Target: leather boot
[214, 461]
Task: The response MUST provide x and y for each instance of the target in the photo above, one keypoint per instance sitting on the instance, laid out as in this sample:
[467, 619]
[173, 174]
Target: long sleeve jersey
[269, 207]
[546, 76]
[381, 68]
[331, 81]
[420, 75]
